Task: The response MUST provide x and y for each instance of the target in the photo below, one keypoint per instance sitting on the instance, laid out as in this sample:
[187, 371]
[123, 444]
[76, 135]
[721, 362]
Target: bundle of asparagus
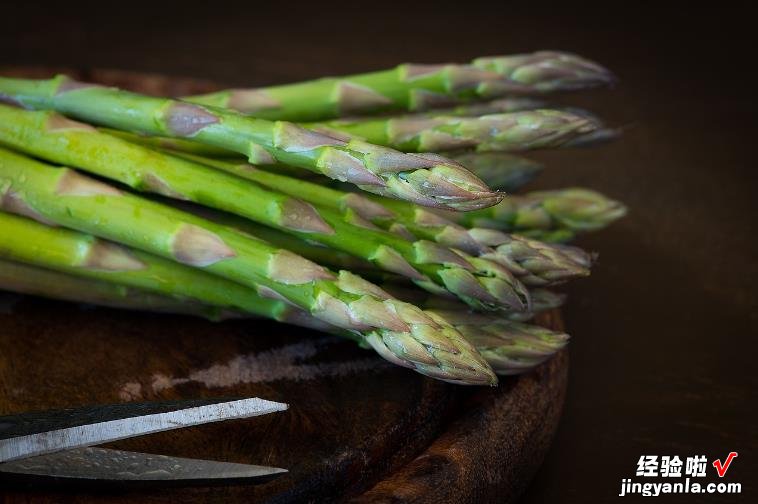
[443, 288]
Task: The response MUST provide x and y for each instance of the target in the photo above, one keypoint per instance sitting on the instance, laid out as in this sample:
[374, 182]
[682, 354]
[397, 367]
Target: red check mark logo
[721, 468]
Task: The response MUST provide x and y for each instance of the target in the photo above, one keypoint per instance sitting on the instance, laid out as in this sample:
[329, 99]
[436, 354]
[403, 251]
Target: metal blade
[101, 465]
[33, 434]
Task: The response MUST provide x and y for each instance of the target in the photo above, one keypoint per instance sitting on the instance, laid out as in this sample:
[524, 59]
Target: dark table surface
[663, 355]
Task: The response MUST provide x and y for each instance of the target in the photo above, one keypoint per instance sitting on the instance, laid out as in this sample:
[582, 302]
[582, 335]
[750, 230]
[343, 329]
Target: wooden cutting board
[357, 429]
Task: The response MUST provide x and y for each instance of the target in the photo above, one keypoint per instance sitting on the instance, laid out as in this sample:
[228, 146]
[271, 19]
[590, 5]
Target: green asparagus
[429, 180]
[556, 215]
[499, 106]
[538, 264]
[84, 256]
[601, 134]
[31, 280]
[515, 131]
[396, 330]
[499, 170]
[542, 300]
[55, 138]
[508, 347]
[534, 263]
[414, 87]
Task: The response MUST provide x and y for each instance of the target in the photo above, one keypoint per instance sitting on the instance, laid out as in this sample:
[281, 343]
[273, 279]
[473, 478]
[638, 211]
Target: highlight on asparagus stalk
[414, 87]
[430, 346]
[509, 346]
[50, 136]
[556, 215]
[515, 131]
[429, 180]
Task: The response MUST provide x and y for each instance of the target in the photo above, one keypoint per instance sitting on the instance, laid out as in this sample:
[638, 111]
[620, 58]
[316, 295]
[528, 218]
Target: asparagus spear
[509, 346]
[176, 144]
[545, 71]
[397, 330]
[35, 281]
[414, 87]
[83, 256]
[423, 179]
[430, 347]
[515, 131]
[52, 137]
[499, 106]
[601, 133]
[408, 220]
[542, 300]
[546, 215]
[535, 263]
[499, 170]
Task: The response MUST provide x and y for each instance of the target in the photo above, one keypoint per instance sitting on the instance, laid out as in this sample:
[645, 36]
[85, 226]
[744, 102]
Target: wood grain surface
[358, 428]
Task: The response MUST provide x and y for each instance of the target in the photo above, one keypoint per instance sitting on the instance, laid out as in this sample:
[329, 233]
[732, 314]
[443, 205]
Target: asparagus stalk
[556, 215]
[423, 179]
[414, 87]
[409, 221]
[601, 134]
[499, 106]
[175, 144]
[535, 263]
[500, 170]
[545, 71]
[312, 250]
[183, 146]
[398, 331]
[515, 131]
[81, 256]
[508, 345]
[35, 281]
[52, 137]
[542, 300]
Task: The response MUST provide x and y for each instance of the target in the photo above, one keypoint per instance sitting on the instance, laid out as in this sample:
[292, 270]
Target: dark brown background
[663, 359]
